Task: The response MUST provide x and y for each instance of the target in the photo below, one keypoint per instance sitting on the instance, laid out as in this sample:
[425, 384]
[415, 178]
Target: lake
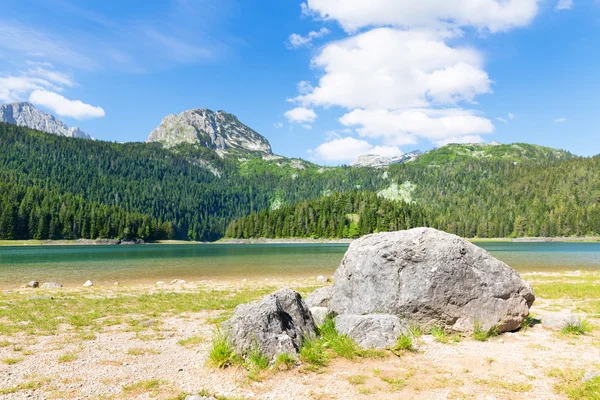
[73, 265]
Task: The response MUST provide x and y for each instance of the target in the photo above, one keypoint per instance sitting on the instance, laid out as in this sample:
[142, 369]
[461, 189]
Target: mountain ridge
[219, 131]
[27, 115]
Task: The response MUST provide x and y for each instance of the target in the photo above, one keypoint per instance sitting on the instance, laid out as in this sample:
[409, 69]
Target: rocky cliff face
[377, 161]
[219, 131]
[25, 114]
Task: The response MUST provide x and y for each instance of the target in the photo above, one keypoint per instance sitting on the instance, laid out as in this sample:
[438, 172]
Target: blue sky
[323, 80]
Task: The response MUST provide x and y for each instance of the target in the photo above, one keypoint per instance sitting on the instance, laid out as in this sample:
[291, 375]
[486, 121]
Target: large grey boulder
[320, 297]
[430, 277]
[276, 324]
[376, 331]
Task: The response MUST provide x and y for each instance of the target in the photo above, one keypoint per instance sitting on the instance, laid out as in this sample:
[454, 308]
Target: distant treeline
[340, 215]
[33, 213]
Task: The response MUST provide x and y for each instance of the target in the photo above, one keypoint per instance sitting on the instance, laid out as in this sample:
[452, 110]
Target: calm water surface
[150, 263]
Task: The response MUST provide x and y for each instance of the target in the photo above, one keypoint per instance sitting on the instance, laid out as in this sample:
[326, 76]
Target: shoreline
[117, 242]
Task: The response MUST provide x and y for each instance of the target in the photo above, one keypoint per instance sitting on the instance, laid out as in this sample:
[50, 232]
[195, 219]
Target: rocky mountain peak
[377, 161]
[26, 114]
[219, 131]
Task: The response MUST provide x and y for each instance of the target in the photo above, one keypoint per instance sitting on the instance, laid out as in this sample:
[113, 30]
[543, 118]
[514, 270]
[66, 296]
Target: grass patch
[32, 384]
[256, 362]
[284, 361]
[404, 343]
[576, 328]
[440, 335]
[569, 382]
[357, 379]
[482, 335]
[191, 342]
[330, 343]
[221, 354]
[314, 353]
[11, 361]
[137, 388]
[396, 384]
[573, 290]
[67, 358]
[516, 387]
[80, 310]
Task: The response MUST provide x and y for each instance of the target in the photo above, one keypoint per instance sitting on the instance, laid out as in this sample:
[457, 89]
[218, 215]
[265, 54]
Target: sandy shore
[149, 341]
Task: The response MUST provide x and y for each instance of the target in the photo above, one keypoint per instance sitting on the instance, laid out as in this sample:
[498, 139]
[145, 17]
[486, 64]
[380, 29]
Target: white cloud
[348, 149]
[390, 68]
[53, 76]
[493, 15]
[564, 5]
[296, 40]
[511, 116]
[278, 125]
[12, 88]
[404, 127]
[502, 120]
[560, 120]
[65, 107]
[301, 115]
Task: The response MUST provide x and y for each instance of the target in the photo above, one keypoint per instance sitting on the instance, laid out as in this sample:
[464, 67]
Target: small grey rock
[160, 283]
[51, 285]
[320, 297]
[177, 281]
[32, 284]
[589, 375]
[276, 324]
[319, 315]
[322, 279]
[558, 320]
[88, 284]
[375, 331]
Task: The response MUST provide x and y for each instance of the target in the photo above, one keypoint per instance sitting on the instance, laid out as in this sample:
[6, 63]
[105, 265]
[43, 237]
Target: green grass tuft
[404, 343]
[284, 361]
[577, 328]
[221, 354]
[313, 352]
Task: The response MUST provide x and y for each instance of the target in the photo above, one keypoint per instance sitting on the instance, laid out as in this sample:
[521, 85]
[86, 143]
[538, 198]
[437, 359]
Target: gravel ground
[119, 362]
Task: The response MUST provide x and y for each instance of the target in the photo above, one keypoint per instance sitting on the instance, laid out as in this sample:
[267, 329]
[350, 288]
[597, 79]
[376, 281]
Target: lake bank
[143, 341]
[104, 242]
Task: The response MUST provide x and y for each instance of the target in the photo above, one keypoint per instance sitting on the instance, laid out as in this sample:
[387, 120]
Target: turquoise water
[151, 263]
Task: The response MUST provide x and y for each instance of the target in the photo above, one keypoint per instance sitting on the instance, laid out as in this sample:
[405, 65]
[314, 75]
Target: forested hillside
[471, 197]
[58, 187]
[170, 186]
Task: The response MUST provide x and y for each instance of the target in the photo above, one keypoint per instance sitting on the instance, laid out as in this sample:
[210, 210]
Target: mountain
[25, 114]
[515, 152]
[377, 161]
[219, 131]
